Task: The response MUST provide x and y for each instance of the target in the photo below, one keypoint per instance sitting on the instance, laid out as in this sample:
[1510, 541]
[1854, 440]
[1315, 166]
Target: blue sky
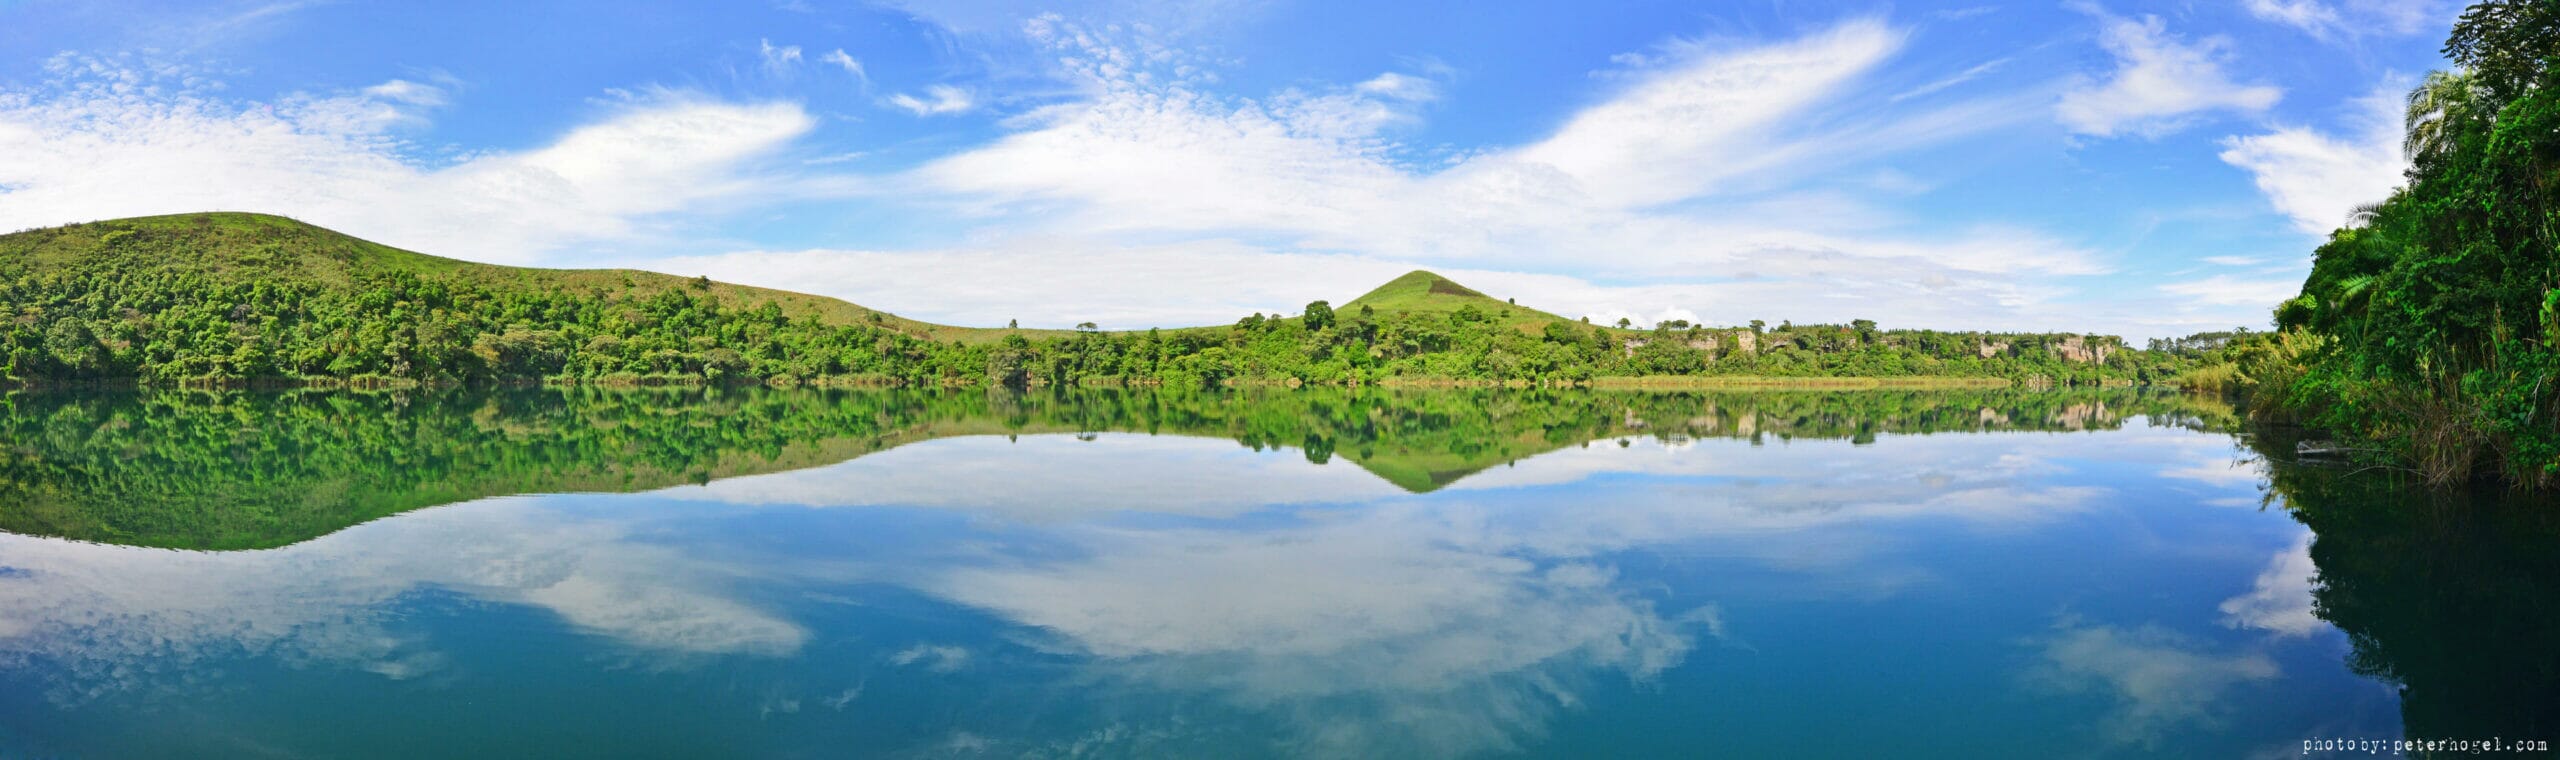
[2143, 169]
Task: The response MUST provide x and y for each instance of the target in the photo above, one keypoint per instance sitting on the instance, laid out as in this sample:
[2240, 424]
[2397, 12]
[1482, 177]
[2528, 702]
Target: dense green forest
[226, 299]
[2425, 335]
[228, 469]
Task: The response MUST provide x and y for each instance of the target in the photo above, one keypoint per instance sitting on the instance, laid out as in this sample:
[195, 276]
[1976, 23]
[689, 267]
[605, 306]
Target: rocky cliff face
[2080, 349]
[2084, 349]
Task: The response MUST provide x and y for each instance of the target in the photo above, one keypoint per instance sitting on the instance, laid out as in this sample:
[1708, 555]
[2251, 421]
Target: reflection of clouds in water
[2281, 600]
[1370, 634]
[1461, 622]
[2159, 680]
[113, 614]
[1777, 487]
[1452, 623]
[1207, 477]
[1808, 461]
[1896, 459]
[2226, 472]
[939, 658]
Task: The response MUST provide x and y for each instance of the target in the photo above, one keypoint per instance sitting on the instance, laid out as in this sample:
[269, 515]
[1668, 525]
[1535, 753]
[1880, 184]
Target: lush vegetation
[255, 469]
[2425, 335]
[228, 299]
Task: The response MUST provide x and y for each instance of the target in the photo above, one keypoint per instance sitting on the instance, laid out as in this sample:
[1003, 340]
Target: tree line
[140, 303]
[2424, 336]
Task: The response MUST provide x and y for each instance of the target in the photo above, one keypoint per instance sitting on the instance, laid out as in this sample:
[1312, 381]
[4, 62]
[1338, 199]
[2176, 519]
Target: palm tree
[2364, 214]
[2435, 108]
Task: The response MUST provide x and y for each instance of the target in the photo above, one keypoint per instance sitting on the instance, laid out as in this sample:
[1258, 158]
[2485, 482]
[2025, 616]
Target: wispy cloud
[1960, 77]
[843, 60]
[2345, 19]
[939, 100]
[777, 59]
[2225, 290]
[2318, 179]
[2159, 83]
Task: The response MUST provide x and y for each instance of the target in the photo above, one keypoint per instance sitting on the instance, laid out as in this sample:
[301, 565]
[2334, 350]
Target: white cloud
[843, 60]
[2160, 82]
[2319, 179]
[2226, 290]
[1171, 18]
[1704, 171]
[939, 100]
[1673, 135]
[1978, 71]
[2338, 19]
[777, 60]
[105, 140]
[1401, 87]
[406, 92]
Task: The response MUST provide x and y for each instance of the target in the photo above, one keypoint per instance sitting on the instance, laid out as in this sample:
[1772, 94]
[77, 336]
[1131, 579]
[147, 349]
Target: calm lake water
[1308, 573]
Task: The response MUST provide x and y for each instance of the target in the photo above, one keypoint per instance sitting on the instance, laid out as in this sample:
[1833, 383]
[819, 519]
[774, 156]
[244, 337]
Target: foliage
[2437, 312]
[230, 299]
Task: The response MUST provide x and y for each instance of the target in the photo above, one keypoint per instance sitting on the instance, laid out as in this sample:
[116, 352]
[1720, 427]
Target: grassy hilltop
[231, 247]
[1423, 292]
[228, 298]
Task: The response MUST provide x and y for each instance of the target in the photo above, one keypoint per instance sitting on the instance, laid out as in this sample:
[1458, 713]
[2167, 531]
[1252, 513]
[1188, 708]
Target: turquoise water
[2122, 580]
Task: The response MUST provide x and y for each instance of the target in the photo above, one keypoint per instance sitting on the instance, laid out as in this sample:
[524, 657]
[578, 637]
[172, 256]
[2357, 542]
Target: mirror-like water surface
[1114, 573]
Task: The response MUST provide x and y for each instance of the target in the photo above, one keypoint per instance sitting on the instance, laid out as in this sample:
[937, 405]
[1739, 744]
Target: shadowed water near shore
[1285, 573]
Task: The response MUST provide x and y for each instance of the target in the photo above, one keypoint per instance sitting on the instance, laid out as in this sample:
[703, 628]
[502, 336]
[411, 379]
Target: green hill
[244, 247]
[1423, 292]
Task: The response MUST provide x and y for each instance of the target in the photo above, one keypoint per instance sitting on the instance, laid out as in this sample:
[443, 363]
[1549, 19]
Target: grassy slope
[1424, 292]
[247, 246]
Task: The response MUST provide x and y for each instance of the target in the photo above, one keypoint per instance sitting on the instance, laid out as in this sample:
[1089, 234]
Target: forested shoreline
[243, 299]
[2424, 338]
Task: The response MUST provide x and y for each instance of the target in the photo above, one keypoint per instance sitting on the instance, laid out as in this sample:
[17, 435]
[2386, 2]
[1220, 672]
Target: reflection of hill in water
[252, 470]
[2452, 595]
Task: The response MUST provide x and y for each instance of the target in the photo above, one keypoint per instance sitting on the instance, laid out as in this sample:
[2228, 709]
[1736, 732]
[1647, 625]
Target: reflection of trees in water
[2453, 596]
[254, 470]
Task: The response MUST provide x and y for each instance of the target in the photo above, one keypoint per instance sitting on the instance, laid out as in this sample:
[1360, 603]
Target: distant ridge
[236, 246]
[240, 298]
[226, 246]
